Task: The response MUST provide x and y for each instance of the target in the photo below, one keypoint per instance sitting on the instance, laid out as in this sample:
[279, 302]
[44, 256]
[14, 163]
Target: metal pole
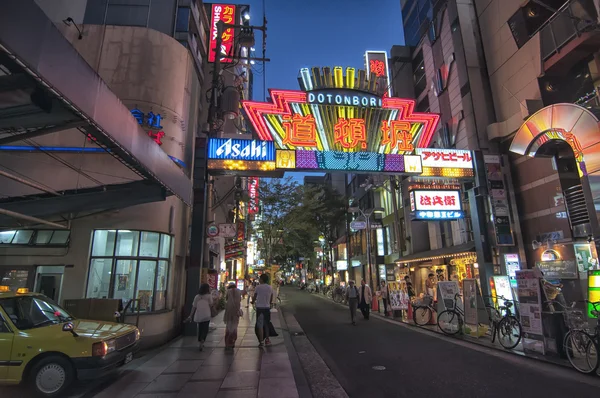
[368, 217]
[28, 183]
[399, 239]
[32, 219]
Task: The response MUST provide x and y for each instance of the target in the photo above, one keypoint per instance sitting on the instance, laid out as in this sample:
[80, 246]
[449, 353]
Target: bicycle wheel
[422, 315]
[582, 351]
[509, 332]
[449, 322]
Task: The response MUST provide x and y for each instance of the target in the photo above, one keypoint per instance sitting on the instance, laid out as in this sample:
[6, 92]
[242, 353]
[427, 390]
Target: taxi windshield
[28, 312]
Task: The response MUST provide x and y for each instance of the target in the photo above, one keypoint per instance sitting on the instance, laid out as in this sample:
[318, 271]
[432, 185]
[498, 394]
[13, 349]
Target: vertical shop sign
[470, 299]
[225, 13]
[583, 255]
[499, 201]
[241, 230]
[253, 204]
[377, 63]
[530, 310]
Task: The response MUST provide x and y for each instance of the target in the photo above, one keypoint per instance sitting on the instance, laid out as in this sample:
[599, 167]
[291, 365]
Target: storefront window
[39, 237]
[130, 265]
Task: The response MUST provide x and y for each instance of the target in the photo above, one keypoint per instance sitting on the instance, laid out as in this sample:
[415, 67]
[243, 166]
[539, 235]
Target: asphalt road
[419, 363]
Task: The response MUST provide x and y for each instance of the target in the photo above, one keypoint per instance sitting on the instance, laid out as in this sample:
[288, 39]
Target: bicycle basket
[574, 319]
[427, 300]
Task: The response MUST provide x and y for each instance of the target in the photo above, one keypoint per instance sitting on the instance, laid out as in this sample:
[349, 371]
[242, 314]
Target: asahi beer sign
[253, 203]
[236, 149]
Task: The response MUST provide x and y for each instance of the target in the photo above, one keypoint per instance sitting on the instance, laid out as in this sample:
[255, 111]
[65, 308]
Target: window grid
[51, 241]
[115, 258]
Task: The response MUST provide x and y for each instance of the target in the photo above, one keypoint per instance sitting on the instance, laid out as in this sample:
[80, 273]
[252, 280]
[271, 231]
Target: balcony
[572, 30]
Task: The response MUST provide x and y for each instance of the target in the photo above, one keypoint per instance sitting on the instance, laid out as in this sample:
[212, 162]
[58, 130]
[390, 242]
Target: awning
[55, 88]
[446, 252]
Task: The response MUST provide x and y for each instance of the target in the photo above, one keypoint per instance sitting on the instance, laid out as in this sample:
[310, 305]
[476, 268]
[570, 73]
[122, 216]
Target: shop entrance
[48, 281]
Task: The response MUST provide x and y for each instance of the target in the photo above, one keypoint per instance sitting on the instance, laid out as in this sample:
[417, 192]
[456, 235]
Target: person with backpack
[352, 297]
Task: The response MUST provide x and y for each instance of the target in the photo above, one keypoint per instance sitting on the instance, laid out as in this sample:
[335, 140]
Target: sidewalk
[181, 371]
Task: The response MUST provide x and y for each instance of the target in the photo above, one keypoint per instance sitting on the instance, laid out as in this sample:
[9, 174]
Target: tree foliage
[293, 217]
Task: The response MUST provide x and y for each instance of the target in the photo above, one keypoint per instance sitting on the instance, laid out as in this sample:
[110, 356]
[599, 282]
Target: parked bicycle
[580, 345]
[423, 310]
[339, 294]
[451, 321]
[504, 324]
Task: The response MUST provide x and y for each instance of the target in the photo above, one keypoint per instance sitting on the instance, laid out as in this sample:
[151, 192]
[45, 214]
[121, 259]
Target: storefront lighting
[476, 265]
[462, 256]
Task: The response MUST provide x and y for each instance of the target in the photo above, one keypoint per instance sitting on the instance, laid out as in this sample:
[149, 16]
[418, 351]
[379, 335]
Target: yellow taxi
[44, 347]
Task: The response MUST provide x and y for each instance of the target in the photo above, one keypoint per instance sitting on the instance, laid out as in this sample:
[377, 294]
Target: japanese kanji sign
[225, 13]
[377, 63]
[441, 200]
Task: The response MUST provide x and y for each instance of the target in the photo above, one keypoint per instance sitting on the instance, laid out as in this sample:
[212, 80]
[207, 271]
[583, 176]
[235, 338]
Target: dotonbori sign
[344, 97]
[225, 13]
[341, 119]
[253, 203]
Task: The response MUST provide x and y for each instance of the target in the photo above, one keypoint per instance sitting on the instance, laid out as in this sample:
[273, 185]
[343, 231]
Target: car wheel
[51, 376]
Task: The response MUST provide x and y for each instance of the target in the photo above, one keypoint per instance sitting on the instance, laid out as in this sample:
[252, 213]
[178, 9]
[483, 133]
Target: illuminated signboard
[446, 162]
[438, 215]
[340, 120]
[253, 203]
[235, 149]
[435, 200]
[377, 62]
[225, 13]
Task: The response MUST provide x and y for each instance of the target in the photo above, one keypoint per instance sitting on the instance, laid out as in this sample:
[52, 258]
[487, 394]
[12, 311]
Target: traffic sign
[356, 225]
[212, 231]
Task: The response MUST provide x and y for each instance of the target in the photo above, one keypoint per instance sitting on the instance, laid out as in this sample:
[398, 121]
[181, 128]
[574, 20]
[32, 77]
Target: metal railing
[570, 21]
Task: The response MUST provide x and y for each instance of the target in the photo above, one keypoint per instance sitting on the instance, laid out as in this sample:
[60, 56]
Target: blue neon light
[439, 215]
[236, 149]
[24, 148]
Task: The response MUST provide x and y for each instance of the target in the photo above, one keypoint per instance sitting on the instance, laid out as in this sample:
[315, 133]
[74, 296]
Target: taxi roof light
[22, 290]
[4, 289]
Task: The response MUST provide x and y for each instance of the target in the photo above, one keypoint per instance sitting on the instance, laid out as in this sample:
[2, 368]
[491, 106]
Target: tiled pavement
[180, 370]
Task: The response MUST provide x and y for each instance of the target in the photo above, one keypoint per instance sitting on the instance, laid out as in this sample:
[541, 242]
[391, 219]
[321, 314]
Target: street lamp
[367, 215]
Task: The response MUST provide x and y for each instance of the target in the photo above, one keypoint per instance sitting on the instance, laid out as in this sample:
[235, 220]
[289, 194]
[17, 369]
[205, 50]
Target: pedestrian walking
[263, 297]
[366, 296]
[384, 297]
[201, 313]
[250, 297]
[232, 315]
[352, 300]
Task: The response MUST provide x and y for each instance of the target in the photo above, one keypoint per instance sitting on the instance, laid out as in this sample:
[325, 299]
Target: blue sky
[307, 33]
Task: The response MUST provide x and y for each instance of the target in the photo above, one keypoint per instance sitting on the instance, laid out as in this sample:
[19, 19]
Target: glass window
[149, 244]
[6, 236]
[127, 243]
[126, 15]
[14, 278]
[42, 237]
[124, 281]
[104, 243]
[165, 246]
[161, 286]
[145, 286]
[183, 19]
[22, 237]
[99, 278]
[129, 273]
[60, 237]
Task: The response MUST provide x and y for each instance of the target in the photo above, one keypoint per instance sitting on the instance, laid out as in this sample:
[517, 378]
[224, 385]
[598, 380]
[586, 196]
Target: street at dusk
[299, 198]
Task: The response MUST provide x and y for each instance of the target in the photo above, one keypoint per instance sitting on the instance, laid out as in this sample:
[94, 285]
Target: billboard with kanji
[340, 119]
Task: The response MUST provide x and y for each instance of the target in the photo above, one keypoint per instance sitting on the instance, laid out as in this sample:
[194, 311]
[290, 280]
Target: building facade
[138, 253]
[542, 64]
